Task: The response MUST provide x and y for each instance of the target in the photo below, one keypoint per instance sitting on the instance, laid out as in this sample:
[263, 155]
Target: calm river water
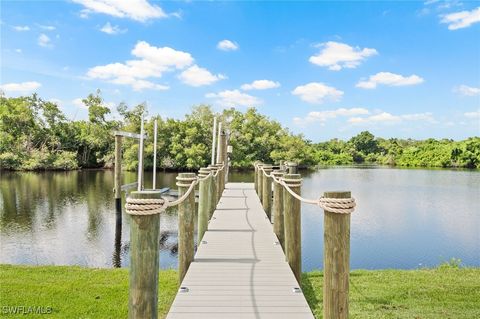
[404, 218]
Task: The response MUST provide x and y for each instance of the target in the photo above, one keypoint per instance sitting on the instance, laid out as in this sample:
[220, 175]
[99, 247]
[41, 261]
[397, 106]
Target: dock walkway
[239, 269]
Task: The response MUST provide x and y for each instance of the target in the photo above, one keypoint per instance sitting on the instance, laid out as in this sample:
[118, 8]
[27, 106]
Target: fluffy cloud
[23, 87]
[197, 76]
[46, 27]
[336, 56]
[260, 85]
[43, 40]
[152, 62]
[388, 118]
[467, 90]
[317, 93]
[462, 19]
[323, 116]
[233, 98]
[472, 115]
[139, 10]
[227, 45]
[21, 28]
[111, 29]
[390, 79]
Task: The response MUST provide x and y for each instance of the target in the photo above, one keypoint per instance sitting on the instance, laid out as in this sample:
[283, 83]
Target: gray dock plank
[239, 270]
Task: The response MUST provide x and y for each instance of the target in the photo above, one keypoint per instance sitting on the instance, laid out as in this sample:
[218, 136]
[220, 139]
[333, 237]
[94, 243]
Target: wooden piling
[260, 182]
[255, 177]
[144, 261]
[204, 202]
[292, 219]
[336, 261]
[267, 191]
[277, 209]
[222, 151]
[292, 167]
[186, 215]
[218, 183]
[214, 186]
[118, 173]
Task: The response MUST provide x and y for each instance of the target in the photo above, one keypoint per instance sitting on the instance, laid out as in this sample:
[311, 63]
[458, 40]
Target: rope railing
[334, 205]
[150, 206]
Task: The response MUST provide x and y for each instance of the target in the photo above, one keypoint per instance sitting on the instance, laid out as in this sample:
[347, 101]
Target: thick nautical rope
[152, 206]
[145, 206]
[333, 205]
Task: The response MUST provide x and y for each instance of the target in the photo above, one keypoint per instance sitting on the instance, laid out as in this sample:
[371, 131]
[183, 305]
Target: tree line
[36, 135]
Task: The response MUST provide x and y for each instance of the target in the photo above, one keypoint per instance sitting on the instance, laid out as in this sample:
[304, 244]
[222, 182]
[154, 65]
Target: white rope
[204, 177]
[145, 206]
[334, 205]
[152, 206]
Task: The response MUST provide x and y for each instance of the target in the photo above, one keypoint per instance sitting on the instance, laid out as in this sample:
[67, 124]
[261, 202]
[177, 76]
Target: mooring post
[204, 202]
[292, 167]
[186, 215]
[260, 182]
[336, 261]
[222, 144]
[277, 208]
[267, 191]
[282, 165]
[118, 174]
[214, 195]
[218, 183]
[292, 218]
[144, 261]
[255, 177]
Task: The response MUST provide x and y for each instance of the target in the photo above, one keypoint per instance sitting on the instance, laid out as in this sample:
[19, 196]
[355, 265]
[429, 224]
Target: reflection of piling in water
[117, 260]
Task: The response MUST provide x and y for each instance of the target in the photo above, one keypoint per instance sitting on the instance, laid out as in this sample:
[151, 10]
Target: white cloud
[21, 28]
[260, 85]
[23, 87]
[47, 27]
[323, 116]
[44, 40]
[18, 50]
[462, 19]
[336, 56]
[79, 103]
[317, 93]
[390, 79]
[232, 98]
[388, 118]
[153, 62]
[111, 29]
[227, 45]
[197, 76]
[467, 90]
[472, 115]
[139, 10]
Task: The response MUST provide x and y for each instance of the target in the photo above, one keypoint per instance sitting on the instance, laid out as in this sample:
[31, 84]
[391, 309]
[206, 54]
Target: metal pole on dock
[336, 261]
[204, 201]
[144, 261]
[292, 218]
[140, 158]
[186, 215]
[267, 191]
[219, 143]
[118, 174]
[277, 209]
[154, 182]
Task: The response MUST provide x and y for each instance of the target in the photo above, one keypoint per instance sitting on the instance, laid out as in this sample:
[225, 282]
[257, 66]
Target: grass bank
[75, 292]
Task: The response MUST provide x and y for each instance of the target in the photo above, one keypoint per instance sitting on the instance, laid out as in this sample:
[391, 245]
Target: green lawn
[75, 292]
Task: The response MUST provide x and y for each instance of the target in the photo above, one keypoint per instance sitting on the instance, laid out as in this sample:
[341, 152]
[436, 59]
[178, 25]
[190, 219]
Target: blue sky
[324, 69]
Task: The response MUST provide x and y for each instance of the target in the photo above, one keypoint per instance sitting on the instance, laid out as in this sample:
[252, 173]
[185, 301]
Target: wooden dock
[239, 269]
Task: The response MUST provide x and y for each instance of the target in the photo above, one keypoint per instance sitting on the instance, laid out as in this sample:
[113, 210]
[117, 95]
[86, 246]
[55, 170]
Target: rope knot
[145, 206]
[337, 205]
